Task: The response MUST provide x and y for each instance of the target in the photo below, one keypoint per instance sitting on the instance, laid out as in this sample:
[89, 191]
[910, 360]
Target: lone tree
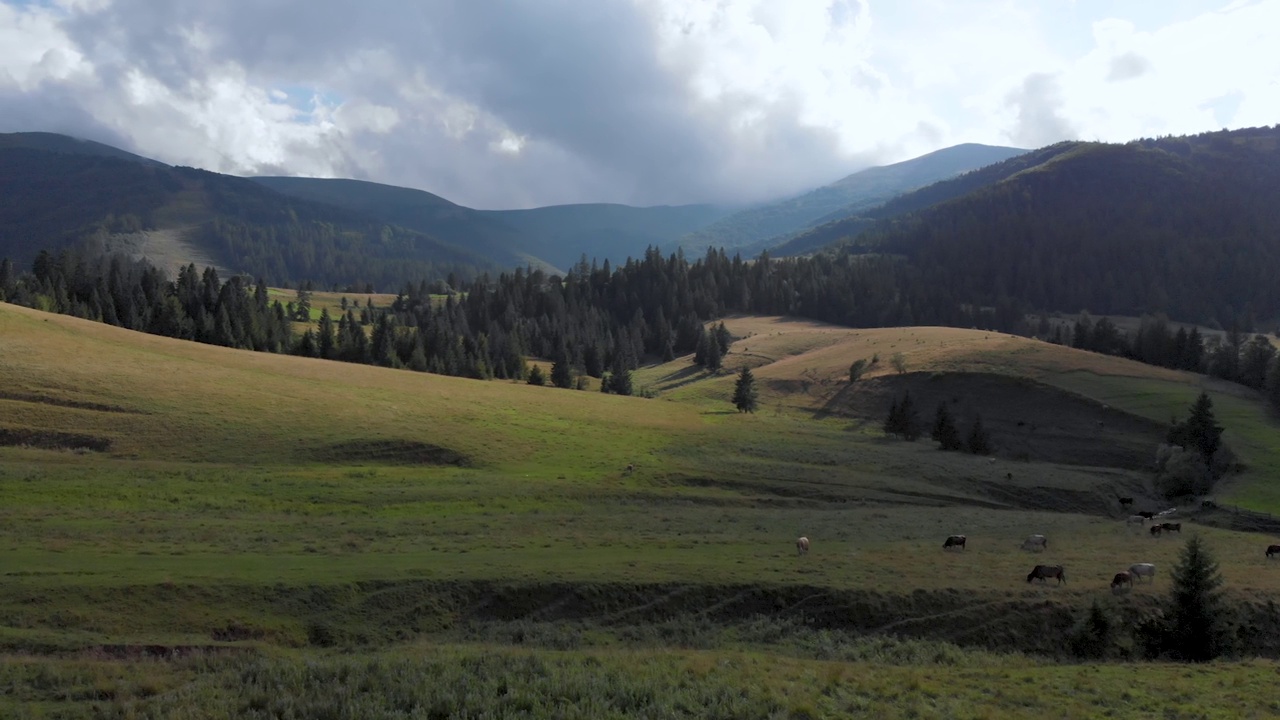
[1199, 431]
[979, 439]
[1196, 630]
[944, 431]
[536, 377]
[744, 391]
[899, 363]
[561, 375]
[857, 369]
[619, 381]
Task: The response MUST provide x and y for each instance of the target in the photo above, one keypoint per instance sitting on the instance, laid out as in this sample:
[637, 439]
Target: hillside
[1184, 226]
[203, 515]
[553, 237]
[53, 197]
[766, 225]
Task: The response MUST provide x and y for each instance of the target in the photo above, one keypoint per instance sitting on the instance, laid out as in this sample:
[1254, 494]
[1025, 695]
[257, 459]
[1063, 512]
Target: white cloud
[641, 101]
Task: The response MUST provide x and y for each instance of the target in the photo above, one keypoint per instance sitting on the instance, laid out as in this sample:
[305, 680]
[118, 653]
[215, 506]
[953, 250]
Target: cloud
[1127, 67]
[638, 101]
[1038, 103]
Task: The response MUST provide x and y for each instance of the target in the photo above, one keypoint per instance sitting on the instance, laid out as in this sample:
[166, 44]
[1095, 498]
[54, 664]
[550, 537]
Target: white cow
[802, 545]
[1138, 570]
[1035, 542]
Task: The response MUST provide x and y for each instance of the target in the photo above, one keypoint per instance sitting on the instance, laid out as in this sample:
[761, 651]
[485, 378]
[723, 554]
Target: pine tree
[536, 377]
[1196, 628]
[1199, 431]
[894, 421]
[723, 339]
[324, 335]
[620, 376]
[561, 375]
[714, 359]
[944, 431]
[744, 391]
[979, 439]
[908, 419]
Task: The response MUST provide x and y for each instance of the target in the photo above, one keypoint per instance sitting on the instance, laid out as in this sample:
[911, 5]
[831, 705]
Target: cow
[802, 545]
[1138, 570]
[1120, 579]
[1136, 520]
[1171, 527]
[1125, 501]
[1035, 541]
[954, 541]
[1044, 572]
[1156, 530]
[1273, 550]
[1146, 514]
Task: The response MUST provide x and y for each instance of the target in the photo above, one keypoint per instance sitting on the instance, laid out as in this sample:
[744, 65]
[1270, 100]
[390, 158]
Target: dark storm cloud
[1038, 102]
[604, 118]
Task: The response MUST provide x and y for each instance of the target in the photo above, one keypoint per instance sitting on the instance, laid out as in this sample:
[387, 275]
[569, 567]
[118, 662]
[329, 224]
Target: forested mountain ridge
[553, 237]
[1186, 226]
[53, 196]
[769, 224]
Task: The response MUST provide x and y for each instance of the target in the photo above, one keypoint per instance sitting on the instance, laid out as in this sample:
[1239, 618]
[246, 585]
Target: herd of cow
[1044, 573]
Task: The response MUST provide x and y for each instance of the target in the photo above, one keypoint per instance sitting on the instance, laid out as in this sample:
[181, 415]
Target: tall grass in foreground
[453, 682]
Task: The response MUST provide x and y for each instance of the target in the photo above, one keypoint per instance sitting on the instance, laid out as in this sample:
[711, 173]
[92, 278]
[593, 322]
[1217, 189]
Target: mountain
[416, 210]
[562, 234]
[1186, 226]
[550, 237]
[761, 226]
[57, 192]
[833, 231]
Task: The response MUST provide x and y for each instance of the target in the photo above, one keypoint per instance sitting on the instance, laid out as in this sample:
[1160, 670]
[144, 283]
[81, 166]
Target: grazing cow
[954, 541]
[1008, 476]
[1155, 531]
[1120, 579]
[1136, 520]
[631, 467]
[1035, 541]
[1273, 550]
[1171, 527]
[1044, 572]
[1125, 501]
[1139, 570]
[802, 545]
[1146, 514]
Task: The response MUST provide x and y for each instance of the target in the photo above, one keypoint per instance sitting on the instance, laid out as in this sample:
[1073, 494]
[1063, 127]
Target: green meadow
[185, 530]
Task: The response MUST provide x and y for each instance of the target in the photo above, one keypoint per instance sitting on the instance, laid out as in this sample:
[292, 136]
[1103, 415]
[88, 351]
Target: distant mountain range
[60, 190]
[773, 224]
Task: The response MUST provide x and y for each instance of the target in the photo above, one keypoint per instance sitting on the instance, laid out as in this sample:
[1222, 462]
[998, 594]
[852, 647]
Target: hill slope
[763, 225]
[1185, 226]
[52, 196]
[549, 237]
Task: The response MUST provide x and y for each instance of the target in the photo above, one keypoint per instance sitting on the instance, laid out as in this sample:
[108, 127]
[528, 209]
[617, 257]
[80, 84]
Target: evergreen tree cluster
[134, 295]
[904, 421]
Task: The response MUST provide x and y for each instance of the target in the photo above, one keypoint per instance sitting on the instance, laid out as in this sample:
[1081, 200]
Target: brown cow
[1171, 527]
[954, 541]
[1120, 579]
[1273, 550]
[802, 545]
[1044, 572]
[1155, 530]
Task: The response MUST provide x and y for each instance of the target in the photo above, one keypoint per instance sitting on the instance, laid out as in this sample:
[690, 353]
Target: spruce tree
[744, 391]
[1200, 431]
[1196, 629]
[536, 377]
[894, 421]
[619, 376]
[944, 431]
[908, 419]
[979, 439]
[561, 375]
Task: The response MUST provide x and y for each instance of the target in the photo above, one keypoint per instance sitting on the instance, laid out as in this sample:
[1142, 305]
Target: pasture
[238, 513]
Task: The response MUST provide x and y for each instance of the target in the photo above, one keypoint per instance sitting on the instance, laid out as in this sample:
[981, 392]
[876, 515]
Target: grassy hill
[253, 511]
[553, 237]
[57, 192]
[769, 224]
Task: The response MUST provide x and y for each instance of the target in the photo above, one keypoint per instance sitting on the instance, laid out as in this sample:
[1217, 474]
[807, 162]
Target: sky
[521, 103]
